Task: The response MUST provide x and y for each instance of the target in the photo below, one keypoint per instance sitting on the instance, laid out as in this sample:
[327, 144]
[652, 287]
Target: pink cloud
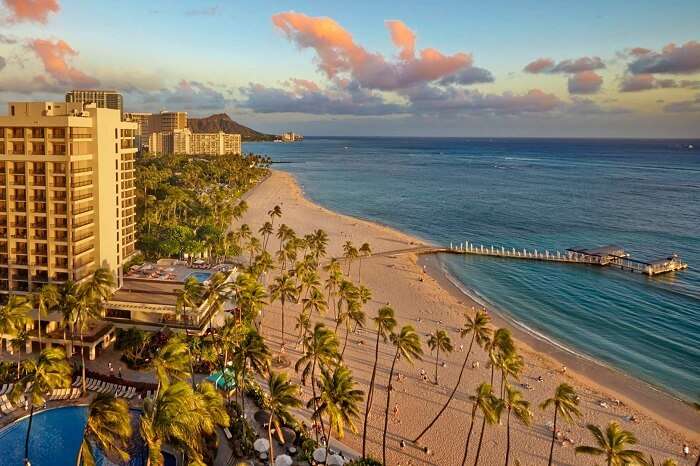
[672, 59]
[403, 37]
[31, 10]
[338, 55]
[645, 82]
[585, 82]
[300, 85]
[54, 56]
[539, 65]
[639, 51]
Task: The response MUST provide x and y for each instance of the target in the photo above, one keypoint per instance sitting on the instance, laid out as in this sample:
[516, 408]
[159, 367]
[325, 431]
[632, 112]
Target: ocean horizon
[546, 194]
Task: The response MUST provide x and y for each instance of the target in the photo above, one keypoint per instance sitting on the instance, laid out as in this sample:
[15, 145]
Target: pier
[603, 256]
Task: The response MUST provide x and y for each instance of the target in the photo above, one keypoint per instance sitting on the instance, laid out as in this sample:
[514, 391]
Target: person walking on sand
[686, 450]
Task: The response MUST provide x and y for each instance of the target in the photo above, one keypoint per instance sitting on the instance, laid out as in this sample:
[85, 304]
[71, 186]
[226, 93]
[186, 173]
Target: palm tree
[500, 345]
[349, 253]
[283, 290]
[315, 302]
[321, 349]
[339, 401]
[667, 462]
[385, 323]
[437, 341]
[276, 211]
[355, 315]
[266, 231]
[253, 354]
[41, 377]
[283, 396]
[335, 278]
[46, 299]
[182, 417]
[478, 327]
[611, 444]
[18, 343]
[320, 241]
[520, 408]
[565, 402]
[14, 315]
[173, 363]
[364, 251]
[408, 347]
[482, 401]
[490, 407]
[99, 287]
[510, 365]
[108, 428]
[303, 325]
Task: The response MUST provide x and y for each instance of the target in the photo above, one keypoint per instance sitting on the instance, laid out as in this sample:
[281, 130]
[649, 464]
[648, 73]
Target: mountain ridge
[222, 122]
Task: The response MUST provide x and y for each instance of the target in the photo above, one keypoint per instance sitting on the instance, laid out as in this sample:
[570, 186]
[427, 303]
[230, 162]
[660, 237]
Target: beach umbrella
[261, 445]
[283, 460]
[335, 460]
[319, 455]
[289, 435]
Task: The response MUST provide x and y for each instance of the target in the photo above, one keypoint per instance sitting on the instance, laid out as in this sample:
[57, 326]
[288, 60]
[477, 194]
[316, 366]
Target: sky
[521, 68]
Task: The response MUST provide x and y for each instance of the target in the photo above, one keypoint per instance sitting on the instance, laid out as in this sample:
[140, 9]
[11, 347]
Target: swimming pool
[54, 441]
[56, 437]
[201, 277]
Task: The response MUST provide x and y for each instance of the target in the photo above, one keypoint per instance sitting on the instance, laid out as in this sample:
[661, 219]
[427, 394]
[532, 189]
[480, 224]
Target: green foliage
[185, 204]
[364, 462]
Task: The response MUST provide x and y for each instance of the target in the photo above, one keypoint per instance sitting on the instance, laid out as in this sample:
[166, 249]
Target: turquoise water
[56, 437]
[201, 277]
[543, 194]
[54, 441]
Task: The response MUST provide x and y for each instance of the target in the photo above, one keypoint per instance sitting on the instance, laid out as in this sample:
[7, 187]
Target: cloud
[671, 60]
[303, 96]
[207, 11]
[471, 75]
[37, 84]
[585, 106]
[539, 65]
[547, 65]
[339, 56]
[192, 95]
[585, 82]
[431, 99]
[685, 106]
[403, 38]
[7, 40]
[31, 10]
[54, 56]
[645, 82]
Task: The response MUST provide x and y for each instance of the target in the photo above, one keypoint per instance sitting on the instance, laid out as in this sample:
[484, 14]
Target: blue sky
[326, 68]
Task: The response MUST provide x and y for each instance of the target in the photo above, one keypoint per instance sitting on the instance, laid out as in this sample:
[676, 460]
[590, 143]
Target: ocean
[544, 194]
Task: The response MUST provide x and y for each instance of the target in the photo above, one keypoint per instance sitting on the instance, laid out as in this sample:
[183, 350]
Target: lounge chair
[77, 381]
[66, 393]
[75, 393]
[3, 389]
[227, 433]
[130, 393]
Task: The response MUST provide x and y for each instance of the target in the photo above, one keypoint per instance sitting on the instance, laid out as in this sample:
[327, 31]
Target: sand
[663, 424]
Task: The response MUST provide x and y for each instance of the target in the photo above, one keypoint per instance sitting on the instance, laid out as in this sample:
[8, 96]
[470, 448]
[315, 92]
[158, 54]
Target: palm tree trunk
[313, 391]
[39, 329]
[283, 324]
[370, 393]
[437, 357]
[508, 437]
[269, 438]
[481, 439]
[189, 351]
[469, 436]
[345, 343]
[328, 443]
[26, 438]
[386, 409]
[454, 391]
[554, 436]
[359, 271]
[82, 360]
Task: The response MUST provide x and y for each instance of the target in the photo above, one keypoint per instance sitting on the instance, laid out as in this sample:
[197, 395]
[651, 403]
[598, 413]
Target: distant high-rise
[101, 98]
[184, 141]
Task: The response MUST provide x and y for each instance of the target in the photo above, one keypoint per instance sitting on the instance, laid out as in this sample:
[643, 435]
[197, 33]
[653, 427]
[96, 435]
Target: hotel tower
[67, 194]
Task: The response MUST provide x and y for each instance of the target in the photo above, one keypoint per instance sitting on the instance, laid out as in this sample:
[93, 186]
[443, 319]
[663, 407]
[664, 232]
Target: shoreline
[433, 301]
[669, 410]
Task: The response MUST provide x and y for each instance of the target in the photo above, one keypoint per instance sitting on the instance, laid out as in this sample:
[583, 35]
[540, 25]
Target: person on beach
[686, 450]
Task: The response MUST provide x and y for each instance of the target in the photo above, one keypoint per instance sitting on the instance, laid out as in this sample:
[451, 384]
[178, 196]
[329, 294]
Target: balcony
[81, 184]
[39, 235]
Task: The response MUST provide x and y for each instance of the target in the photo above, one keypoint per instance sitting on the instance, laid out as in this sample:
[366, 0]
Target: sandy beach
[663, 423]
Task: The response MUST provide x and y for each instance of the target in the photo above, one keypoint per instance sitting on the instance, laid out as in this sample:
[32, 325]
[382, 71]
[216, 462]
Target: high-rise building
[67, 194]
[164, 122]
[67, 204]
[142, 127]
[184, 141]
[101, 98]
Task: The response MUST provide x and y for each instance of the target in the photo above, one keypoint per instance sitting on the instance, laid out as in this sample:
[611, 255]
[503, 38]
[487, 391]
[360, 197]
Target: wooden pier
[603, 256]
